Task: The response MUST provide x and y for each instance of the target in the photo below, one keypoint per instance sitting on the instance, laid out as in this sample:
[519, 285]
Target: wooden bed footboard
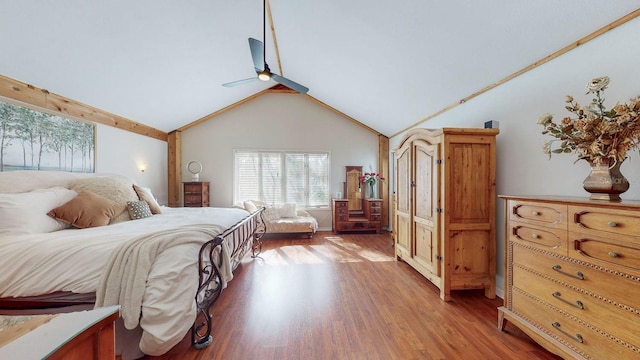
[241, 237]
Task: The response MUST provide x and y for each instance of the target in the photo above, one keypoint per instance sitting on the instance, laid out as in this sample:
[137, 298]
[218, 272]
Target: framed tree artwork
[36, 140]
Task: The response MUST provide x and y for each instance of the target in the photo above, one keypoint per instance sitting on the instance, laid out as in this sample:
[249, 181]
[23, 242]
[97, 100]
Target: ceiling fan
[259, 56]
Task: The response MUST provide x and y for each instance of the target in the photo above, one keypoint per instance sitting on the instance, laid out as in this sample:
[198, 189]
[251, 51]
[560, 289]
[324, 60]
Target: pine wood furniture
[445, 207]
[70, 336]
[196, 194]
[369, 220]
[573, 275]
[353, 187]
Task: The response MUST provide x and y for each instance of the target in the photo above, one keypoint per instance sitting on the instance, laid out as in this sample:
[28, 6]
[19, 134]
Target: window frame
[283, 183]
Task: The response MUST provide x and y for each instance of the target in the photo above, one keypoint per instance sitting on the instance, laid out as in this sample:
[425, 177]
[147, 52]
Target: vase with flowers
[372, 180]
[601, 137]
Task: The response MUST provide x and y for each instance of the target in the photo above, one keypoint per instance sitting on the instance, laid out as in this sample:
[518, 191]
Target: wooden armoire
[445, 207]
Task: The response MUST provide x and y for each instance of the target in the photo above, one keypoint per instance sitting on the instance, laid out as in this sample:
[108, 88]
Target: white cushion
[287, 210]
[250, 206]
[271, 213]
[26, 213]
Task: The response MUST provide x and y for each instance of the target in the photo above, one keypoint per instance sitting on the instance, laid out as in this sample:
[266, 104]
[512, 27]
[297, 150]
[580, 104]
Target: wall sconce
[142, 167]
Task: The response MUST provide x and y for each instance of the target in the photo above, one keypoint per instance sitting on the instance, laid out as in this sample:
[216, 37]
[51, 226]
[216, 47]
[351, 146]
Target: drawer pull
[579, 275]
[535, 213]
[535, 236]
[613, 254]
[577, 337]
[577, 304]
[612, 224]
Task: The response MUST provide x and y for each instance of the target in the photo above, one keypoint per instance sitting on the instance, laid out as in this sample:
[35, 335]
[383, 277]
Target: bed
[165, 270]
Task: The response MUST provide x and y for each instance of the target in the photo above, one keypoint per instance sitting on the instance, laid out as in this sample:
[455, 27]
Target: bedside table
[196, 194]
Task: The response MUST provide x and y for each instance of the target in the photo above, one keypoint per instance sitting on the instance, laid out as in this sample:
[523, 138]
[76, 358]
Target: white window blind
[278, 177]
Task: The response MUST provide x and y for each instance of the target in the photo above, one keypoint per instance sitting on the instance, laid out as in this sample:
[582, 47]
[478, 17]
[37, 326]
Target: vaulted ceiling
[387, 64]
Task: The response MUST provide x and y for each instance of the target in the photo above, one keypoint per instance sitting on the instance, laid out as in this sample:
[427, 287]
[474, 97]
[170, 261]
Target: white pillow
[287, 210]
[26, 213]
[250, 206]
[271, 213]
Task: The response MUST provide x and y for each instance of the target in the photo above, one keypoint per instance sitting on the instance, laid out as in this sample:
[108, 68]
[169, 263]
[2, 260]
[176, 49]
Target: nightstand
[196, 194]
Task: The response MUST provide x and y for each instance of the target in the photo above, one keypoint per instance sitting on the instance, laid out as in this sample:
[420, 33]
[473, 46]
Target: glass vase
[372, 191]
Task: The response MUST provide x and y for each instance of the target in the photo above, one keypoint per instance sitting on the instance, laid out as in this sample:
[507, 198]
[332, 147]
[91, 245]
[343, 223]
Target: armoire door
[403, 202]
[426, 206]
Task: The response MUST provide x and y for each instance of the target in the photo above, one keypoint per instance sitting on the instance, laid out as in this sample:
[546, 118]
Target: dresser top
[574, 200]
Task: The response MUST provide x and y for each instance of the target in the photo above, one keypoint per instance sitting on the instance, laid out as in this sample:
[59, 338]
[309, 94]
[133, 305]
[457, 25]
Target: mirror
[353, 188]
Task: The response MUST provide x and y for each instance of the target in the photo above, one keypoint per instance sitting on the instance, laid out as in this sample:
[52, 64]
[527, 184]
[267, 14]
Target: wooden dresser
[196, 194]
[369, 220]
[573, 275]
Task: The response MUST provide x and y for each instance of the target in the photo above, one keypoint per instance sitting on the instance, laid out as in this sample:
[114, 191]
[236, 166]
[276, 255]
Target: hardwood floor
[345, 297]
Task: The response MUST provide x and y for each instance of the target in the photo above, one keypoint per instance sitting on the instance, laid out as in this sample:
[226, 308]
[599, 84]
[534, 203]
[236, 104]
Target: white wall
[123, 152]
[523, 169]
[276, 121]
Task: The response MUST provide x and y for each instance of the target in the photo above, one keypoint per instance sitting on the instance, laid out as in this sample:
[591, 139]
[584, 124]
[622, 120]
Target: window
[282, 177]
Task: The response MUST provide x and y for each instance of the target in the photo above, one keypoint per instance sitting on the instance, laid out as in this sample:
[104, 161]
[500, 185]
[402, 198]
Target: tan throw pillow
[87, 210]
[113, 188]
[146, 195]
[138, 209]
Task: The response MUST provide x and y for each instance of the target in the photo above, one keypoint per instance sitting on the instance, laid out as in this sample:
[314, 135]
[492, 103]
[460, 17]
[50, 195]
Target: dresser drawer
[193, 188]
[341, 204]
[604, 221]
[547, 239]
[617, 287]
[606, 251]
[549, 215]
[580, 336]
[584, 305]
[190, 198]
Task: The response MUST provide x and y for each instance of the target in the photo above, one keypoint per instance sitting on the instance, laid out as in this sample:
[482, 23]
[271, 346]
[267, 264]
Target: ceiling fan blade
[257, 53]
[239, 82]
[289, 83]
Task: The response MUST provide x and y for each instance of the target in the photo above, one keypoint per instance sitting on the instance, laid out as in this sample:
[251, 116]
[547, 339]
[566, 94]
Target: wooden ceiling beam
[42, 99]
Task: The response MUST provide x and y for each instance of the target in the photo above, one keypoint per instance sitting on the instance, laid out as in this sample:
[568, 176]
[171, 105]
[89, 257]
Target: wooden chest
[196, 194]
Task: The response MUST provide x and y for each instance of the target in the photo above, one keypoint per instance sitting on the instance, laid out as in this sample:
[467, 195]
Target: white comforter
[73, 260]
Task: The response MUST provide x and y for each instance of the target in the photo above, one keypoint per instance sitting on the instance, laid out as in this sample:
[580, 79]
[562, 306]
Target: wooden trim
[632, 15]
[42, 98]
[383, 169]
[273, 35]
[223, 110]
[174, 168]
[278, 88]
[344, 115]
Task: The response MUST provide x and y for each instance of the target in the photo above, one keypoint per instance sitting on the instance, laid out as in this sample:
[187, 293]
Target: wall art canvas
[35, 140]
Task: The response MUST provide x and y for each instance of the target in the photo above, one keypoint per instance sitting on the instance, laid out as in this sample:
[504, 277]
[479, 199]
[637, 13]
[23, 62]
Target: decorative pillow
[87, 210]
[287, 210]
[145, 194]
[138, 209]
[250, 206]
[271, 213]
[113, 188]
[26, 213]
